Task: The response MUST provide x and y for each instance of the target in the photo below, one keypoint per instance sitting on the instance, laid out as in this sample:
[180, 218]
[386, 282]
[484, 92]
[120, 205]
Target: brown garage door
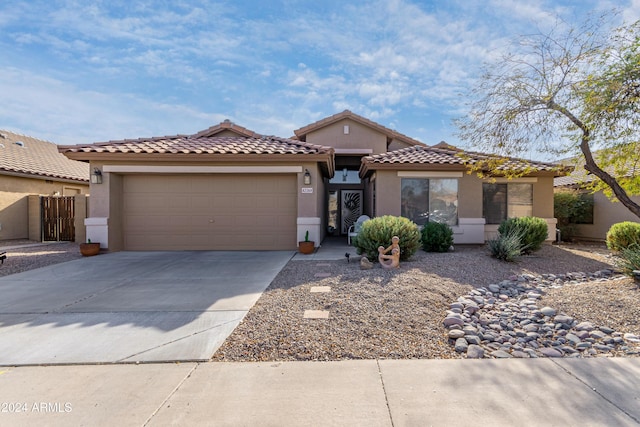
[209, 212]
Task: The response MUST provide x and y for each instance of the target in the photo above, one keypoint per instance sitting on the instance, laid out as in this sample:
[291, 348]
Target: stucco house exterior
[229, 188]
[605, 211]
[28, 167]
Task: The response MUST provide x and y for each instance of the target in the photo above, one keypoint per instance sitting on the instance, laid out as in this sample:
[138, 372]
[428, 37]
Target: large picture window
[425, 200]
[502, 201]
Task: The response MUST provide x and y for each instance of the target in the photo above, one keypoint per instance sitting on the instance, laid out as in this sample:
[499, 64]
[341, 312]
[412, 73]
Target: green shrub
[571, 207]
[436, 237]
[507, 246]
[629, 259]
[622, 235]
[532, 230]
[379, 231]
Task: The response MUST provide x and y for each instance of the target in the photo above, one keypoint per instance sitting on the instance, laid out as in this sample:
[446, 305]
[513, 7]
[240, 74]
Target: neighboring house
[30, 166]
[228, 188]
[605, 211]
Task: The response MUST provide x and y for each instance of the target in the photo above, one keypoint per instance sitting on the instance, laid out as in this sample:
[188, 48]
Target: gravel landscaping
[31, 257]
[399, 314]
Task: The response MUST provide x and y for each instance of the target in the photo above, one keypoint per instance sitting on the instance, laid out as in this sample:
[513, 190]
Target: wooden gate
[57, 218]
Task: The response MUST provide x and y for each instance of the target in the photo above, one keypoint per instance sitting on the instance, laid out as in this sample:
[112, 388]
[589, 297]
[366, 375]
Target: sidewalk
[534, 392]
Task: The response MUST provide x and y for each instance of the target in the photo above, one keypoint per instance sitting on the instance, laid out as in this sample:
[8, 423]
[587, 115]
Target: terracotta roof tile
[227, 125]
[30, 156]
[181, 144]
[580, 176]
[449, 155]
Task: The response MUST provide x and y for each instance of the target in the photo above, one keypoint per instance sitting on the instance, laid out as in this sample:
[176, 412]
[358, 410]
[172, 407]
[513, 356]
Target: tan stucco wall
[14, 203]
[543, 197]
[387, 187]
[470, 197]
[605, 214]
[396, 144]
[116, 239]
[81, 211]
[359, 137]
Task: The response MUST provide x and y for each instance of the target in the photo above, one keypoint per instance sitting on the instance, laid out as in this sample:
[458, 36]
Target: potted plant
[306, 247]
[89, 249]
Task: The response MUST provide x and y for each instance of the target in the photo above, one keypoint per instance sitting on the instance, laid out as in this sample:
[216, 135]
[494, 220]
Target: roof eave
[325, 160]
[47, 177]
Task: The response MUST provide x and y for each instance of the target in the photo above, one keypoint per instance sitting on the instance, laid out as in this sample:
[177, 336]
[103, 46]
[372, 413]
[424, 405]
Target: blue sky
[79, 71]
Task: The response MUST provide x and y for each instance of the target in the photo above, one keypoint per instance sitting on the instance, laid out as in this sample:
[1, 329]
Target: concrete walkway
[533, 392]
[131, 306]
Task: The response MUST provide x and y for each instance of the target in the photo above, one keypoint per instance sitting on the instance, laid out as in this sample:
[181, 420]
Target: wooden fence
[57, 220]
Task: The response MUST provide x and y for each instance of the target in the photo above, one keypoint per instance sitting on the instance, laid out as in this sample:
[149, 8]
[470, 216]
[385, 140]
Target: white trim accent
[430, 174]
[98, 230]
[200, 169]
[311, 224]
[469, 231]
[353, 150]
[514, 180]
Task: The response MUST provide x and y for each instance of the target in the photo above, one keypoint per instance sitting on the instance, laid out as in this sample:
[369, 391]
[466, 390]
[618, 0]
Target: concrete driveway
[131, 306]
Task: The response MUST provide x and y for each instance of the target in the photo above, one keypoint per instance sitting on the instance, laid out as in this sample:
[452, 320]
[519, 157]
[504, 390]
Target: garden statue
[392, 260]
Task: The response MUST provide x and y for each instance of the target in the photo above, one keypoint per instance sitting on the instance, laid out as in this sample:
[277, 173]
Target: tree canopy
[569, 92]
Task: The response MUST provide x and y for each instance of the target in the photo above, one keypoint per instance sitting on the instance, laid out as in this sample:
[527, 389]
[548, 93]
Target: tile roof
[581, 176]
[184, 144]
[447, 155]
[346, 114]
[227, 125]
[25, 155]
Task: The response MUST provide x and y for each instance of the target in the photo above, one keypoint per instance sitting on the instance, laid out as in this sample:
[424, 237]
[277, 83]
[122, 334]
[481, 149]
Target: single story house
[605, 212]
[30, 166]
[229, 188]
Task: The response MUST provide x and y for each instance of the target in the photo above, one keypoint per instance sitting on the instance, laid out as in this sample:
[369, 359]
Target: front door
[351, 208]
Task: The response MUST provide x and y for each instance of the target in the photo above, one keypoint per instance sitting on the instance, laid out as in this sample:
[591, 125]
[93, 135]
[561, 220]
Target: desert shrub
[622, 235]
[507, 246]
[629, 259]
[379, 231]
[531, 230]
[436, 237]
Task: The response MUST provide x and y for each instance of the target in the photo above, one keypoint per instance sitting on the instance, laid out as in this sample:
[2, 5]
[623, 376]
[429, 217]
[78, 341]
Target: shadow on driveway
[131, 306]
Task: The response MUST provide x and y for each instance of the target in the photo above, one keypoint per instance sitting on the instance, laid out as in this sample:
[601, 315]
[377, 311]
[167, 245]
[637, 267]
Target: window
[425, 200]
[345, 176]
[502, 201]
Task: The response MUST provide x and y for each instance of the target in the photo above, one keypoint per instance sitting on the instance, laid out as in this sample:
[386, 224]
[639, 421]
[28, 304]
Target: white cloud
[52, 109]
[113, 69]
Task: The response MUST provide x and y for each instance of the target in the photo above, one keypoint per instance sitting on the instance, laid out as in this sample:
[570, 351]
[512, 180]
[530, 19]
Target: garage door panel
[149, 222]
[144, 203]
[202, 202]
[210, 212]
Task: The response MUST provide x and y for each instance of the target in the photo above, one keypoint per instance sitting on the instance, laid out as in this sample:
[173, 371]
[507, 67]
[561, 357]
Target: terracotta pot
[89, 249]
[306, 247]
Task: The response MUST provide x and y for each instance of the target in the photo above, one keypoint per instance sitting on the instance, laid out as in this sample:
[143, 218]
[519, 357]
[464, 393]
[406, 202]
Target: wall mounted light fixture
[307, 177]
[96, 176]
